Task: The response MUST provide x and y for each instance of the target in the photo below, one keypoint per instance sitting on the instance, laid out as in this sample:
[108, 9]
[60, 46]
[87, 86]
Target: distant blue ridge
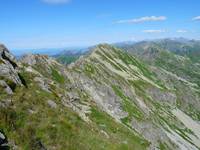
[45, 51]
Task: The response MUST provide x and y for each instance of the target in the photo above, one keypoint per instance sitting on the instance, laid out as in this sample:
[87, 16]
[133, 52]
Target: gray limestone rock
[52, 104]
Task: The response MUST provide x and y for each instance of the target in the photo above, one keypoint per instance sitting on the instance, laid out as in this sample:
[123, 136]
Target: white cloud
[154, 31]
[197, 18]
[181, 31]
[143, 19]
[56, 1]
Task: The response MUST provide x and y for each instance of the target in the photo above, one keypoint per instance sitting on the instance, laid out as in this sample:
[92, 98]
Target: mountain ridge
[108, 95]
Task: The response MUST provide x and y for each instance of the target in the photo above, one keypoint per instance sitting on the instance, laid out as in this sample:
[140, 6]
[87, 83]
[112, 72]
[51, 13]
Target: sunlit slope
[41, 108]
[135, 95]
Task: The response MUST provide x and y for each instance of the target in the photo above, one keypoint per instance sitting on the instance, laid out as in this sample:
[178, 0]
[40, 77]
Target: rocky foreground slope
[107, 99]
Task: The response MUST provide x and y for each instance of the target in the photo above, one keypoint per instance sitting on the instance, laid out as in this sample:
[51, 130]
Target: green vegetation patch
[29, 121]
[67, 59]
[163, 146]
[57, 76]
[128, 106]
[121, 137]
[89, 69]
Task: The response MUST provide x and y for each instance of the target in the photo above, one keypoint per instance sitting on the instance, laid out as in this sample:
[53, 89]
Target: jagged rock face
[35, 59]
[41, 63]
[9, 74]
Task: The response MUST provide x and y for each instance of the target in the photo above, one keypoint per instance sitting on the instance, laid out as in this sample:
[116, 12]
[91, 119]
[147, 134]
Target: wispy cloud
[143, 19]
[197, 18]
[181, 31]
[154, 31]
[56, 1]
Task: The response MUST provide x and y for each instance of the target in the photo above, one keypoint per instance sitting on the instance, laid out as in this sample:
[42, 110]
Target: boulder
[3, 142]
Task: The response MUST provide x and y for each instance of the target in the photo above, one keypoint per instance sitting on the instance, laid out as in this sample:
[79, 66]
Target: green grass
[67, 59]
[117, 132]
[163, 146]
[130, 60]
[186, 68]
[60, 128]
[128, 106]
[89, 69]
[57, 76]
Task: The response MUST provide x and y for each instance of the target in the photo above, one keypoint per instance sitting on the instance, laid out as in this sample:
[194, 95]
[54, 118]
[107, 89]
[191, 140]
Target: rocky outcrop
[9, 73]
[38, 60]
[6, 87]
[3, 141]
[5, 54]
[52, 104]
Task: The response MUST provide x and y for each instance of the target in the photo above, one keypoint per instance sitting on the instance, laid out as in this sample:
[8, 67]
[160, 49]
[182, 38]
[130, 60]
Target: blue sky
[66, 23]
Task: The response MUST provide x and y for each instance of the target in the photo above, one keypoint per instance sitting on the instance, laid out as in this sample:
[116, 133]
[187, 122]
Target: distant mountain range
[45, 51]
[180, 46]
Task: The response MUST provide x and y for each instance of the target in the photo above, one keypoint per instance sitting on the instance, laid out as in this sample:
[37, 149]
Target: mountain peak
[105, 48]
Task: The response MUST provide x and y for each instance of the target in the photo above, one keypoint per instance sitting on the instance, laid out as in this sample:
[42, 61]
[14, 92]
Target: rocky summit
[141, 96]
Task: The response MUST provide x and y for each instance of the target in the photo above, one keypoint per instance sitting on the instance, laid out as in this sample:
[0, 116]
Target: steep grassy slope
[50, 112]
